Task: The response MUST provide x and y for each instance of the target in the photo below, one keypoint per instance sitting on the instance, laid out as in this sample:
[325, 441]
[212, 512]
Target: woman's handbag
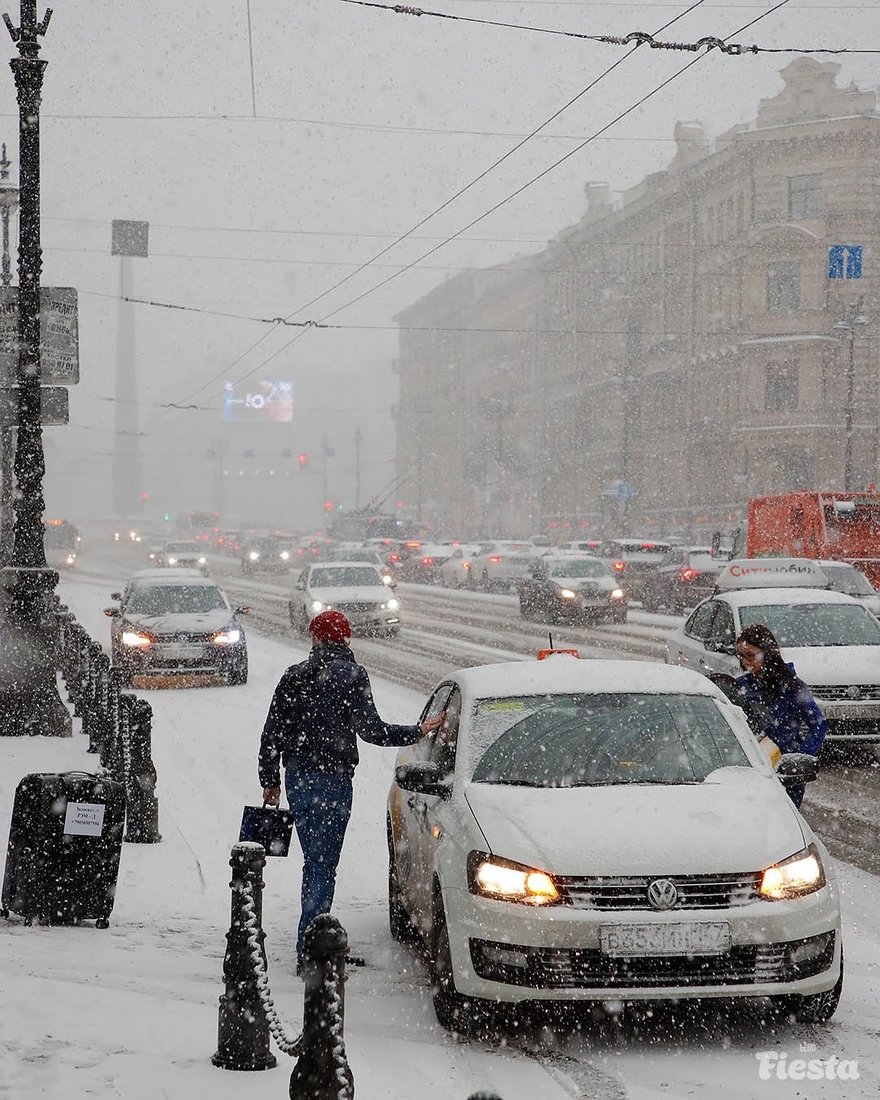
[269, 826]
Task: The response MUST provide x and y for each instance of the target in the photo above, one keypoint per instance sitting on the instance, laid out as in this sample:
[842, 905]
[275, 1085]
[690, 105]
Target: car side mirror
[115, 595]
[243, 610]
[721, 645]
[797, 767]
[423, 778]
[111, 612]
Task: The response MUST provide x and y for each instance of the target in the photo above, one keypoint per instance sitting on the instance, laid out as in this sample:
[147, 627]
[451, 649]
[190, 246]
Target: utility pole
[853, 317]
[29, 700]
[630, 359]
[8, 203]
[358, 436]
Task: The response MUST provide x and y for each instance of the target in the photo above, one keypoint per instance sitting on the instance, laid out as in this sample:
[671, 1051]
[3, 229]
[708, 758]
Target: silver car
[352, 587]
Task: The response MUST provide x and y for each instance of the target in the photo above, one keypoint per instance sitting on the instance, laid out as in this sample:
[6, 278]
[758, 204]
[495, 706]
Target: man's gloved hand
[271, 795]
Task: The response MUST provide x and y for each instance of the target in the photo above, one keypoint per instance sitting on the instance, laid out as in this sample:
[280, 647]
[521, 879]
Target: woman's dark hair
[774, 671]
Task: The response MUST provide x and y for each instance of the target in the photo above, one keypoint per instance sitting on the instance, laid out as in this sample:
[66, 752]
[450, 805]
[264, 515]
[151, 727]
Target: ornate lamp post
[853, 318]
[8, 203]
[29, 700]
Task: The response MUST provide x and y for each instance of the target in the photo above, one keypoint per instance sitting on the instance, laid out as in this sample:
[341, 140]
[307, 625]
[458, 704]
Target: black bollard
[242, 1027]
[142, 812]
[484, 1096]
[322, 1071]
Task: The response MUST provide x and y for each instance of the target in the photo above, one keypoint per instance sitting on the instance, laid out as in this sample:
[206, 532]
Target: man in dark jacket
[319, 709]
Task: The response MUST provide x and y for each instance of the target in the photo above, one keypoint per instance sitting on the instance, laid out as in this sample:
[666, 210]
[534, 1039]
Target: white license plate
[181, 652]
[850, 710]
[665, 939]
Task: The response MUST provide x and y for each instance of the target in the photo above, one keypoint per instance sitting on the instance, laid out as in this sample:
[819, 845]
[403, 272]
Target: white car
[501, 564]
[832, 640]
[597, 830]
[455, 572]
[354, 588]
[182, 555]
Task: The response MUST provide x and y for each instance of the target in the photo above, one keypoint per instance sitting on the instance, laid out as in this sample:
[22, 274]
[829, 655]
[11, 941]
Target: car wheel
[238, 672]
[620, 616]
[401, 927]
[813, 1008]
[466, 1015]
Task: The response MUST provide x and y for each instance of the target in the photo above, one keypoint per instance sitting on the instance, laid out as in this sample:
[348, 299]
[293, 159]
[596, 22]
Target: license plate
[850, 710]
[181, 652]
[665, 939]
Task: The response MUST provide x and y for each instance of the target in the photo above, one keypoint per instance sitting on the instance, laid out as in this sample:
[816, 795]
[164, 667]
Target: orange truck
[839, 526]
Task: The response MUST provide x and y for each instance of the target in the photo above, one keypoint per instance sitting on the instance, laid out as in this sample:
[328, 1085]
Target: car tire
[465, 1015]
[620, 616]
[399, 924]
[238, 672]
[812, 1008]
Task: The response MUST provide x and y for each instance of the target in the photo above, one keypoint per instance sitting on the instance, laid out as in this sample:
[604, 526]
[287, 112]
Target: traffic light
[166, 516]
[328, 505]
[303, 459]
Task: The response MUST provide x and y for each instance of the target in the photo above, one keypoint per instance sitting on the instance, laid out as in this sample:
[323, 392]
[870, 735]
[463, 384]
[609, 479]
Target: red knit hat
[330, 626]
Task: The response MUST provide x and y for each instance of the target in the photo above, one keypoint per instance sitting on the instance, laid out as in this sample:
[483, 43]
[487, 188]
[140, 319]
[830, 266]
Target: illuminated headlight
[391, 605]
[387, 579]
[567, 594]
[507, 881]
[172, 561]
[794, 877]
[227, 637]
[285, 555]
[318, 606]
[254, 555]
[202, 561]
[616, 593]
[152, 556]
[70, 559]
[132, 535]
[116, 536]
[135, 639]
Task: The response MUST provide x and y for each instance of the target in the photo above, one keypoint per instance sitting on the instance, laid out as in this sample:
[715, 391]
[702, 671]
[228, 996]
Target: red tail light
[494, 558]
[618, 566]
[689, 574]
[427, 561]
[394, 557]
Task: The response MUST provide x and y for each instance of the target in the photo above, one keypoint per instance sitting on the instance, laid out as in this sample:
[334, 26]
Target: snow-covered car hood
[190, 622]
[365, 593]
[739, 820]
[851, 664]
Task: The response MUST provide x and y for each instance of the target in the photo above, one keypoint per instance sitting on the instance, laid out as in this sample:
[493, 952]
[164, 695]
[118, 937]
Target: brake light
[618, 566]
[427, 561]
[394, 557]
[649, 545]
[689, 574]
[494, 558]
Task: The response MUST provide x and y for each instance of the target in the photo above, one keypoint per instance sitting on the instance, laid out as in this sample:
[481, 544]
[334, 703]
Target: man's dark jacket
[318, 711]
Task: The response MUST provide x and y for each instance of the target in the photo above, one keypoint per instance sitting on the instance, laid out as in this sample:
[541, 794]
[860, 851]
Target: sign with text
[53, 406]
[59, 336]
[84, 819]
[258, 402]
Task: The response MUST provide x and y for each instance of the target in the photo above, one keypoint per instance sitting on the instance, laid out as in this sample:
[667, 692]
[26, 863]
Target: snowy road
[132, 1012]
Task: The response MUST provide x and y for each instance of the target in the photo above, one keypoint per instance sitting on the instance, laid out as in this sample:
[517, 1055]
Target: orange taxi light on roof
[543, 654]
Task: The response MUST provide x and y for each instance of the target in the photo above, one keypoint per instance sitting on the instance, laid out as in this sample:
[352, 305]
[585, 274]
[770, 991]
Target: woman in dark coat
[777, 698]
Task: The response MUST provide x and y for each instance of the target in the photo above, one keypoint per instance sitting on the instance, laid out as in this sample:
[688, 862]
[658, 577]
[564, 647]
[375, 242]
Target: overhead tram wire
[403, 236]
[504, 201]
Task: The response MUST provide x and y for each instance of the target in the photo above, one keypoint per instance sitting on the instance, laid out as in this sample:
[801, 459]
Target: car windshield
[182, 548]
[815, 624]
[848, 579]
[354, 576]
[175, 599]
[601, 739]
[579, 567]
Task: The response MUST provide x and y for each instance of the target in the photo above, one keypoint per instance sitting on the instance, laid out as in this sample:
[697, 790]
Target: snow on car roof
[171, 576]
[751, 597]
[563, 673]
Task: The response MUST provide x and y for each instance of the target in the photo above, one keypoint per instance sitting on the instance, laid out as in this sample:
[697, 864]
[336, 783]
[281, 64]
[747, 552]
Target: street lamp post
[29, 700]
[8, 203]
[852, 318]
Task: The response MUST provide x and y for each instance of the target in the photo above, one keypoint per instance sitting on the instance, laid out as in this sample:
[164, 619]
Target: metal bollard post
[242, 1027]
[100, 725]
[484, 1096]
[142, 813]
[322, 1071]
[111, 744]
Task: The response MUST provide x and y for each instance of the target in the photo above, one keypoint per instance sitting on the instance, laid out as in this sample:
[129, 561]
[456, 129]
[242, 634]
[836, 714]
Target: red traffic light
[303, 459]
[328, 505]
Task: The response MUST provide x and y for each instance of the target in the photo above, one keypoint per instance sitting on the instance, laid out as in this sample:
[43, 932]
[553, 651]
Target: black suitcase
[65, 839]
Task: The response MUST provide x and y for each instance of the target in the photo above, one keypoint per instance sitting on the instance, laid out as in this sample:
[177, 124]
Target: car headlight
[616, 593]
[794, 877]
[136, 639]
[318, 606]
[227, 637]
[567, 594]
[391, 605]
[70, 559]
[285, 555]
[202, 561]
[254, 555]
[172, 561]
[388, 579]
[504, 880]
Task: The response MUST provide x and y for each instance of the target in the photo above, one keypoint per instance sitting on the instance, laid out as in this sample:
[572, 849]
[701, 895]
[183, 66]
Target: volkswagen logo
[854, 692]
[662, 893]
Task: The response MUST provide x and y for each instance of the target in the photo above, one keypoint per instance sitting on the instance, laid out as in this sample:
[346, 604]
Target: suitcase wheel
[102, 922]
[4, 913]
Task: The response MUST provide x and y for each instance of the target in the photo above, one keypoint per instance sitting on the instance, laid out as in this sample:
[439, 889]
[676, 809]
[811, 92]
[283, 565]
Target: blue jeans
[321, 807]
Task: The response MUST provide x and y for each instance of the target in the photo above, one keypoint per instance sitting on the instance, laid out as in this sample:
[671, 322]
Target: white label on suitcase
[84, 819]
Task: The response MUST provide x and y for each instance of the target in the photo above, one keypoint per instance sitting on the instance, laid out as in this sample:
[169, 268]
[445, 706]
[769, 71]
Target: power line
[641, 38]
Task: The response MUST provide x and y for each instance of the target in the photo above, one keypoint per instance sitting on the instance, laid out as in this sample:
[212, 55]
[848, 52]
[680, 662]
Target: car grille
[181, 638]
[694, 891]
[560, 968]
[355, 607]
[837, 692]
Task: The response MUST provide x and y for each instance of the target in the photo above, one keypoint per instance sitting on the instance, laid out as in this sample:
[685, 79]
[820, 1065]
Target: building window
[781, 386]
[804, 196]
[783, 287]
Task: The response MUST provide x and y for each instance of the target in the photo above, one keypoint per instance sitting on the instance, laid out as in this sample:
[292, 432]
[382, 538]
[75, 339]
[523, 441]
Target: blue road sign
[845, 261]
[625, 491]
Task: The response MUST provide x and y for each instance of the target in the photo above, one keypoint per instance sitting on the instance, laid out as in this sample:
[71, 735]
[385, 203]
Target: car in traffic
[633, 560]
[844, 577]
[177, 623]
[363, 554]
[596, 830]
[455, 571]
[354, 588]
[565, 589]
[179, 554]
[832, 640]
[684, 577]
[265, 554]
[501, 564]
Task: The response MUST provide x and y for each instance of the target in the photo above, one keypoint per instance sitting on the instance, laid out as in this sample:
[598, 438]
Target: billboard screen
[252, 402]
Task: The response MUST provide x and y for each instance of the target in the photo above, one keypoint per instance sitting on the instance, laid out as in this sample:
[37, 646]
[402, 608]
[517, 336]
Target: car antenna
[550, 636]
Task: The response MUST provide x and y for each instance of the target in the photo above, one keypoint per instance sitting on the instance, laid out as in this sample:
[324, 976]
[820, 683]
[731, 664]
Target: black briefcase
[269, 826]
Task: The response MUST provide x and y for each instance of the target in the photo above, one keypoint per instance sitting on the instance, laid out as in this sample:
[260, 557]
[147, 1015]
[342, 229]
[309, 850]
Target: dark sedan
[569, 589]
[686, 576]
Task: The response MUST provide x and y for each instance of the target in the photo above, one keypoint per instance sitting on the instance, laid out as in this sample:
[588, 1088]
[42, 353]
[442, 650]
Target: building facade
[665, 358]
